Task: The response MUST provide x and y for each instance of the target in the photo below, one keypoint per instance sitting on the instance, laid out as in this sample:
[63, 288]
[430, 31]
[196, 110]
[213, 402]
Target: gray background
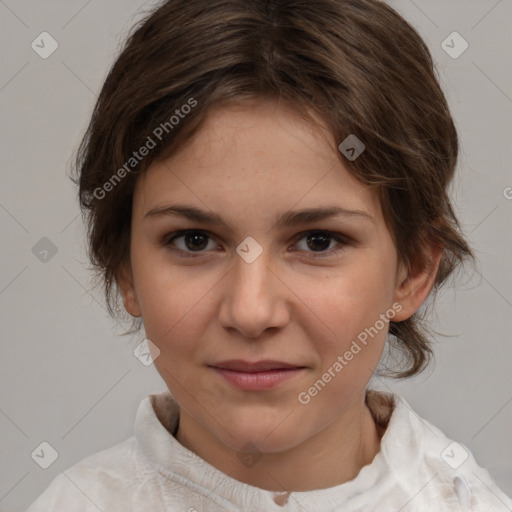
[67, 378]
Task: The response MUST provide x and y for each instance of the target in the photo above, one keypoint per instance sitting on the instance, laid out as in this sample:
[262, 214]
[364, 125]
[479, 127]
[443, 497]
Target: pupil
[315, 237]
[196, 241]
[316, 241]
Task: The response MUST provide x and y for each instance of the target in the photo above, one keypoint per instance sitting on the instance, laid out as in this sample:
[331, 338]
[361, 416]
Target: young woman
[265, 185]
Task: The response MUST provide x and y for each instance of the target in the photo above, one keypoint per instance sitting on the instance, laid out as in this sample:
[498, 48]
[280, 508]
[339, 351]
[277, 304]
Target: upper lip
[258, 366]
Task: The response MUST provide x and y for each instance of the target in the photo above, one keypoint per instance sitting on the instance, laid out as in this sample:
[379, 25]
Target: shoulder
[98, 482]
[122, 477]
[430, 467]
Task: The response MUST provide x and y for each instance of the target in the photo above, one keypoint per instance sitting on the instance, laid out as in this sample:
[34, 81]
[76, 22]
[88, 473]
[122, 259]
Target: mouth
[256, 376]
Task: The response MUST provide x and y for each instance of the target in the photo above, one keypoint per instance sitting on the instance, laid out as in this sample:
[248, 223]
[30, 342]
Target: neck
[330, 457]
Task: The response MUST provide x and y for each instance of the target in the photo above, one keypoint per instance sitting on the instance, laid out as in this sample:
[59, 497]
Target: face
[208, 295]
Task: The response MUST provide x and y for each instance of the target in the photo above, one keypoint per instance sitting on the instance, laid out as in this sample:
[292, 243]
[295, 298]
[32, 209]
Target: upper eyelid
[182, 232]
[298, 236]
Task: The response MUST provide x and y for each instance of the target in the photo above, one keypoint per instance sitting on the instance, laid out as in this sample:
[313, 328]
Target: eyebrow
[287, 219]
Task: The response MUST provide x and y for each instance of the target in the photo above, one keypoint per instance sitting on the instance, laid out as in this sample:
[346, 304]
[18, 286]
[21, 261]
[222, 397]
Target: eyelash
[342, 240]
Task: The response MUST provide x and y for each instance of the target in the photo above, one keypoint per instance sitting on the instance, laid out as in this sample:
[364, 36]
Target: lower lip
[259, 380]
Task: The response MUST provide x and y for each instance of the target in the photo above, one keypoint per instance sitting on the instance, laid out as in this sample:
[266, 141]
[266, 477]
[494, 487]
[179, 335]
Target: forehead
[256, 157]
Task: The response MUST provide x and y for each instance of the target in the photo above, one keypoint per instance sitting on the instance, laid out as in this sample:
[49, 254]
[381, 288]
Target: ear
[125, 284]
[414, 284]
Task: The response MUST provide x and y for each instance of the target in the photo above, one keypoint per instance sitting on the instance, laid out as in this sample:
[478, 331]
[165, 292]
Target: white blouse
[417, 469]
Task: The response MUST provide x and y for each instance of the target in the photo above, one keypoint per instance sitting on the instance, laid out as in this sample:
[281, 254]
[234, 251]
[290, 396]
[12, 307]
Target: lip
[256, 376]
[240, 365]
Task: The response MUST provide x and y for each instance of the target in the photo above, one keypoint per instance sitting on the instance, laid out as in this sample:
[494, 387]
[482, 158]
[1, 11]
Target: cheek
[350, 349]
[173, 301]
[350, 305]
[349, 299]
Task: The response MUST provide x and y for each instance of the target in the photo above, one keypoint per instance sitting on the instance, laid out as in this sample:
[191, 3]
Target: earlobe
[126, 286]
[415, 284]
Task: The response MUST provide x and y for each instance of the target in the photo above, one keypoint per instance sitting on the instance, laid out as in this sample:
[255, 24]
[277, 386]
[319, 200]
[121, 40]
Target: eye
[320, 241]
[193, 241]
[317, 243]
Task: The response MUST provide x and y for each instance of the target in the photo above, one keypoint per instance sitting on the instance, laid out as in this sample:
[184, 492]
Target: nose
[254, 298]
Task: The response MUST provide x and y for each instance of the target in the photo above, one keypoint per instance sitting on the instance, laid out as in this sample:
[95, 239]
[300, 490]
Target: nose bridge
[252, 276]
[250, 301]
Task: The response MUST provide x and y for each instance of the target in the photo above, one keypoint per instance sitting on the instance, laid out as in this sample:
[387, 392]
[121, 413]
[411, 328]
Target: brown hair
[357, 64]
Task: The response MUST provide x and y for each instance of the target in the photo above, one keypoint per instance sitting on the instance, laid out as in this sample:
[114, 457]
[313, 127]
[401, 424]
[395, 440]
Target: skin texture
[250, 163]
